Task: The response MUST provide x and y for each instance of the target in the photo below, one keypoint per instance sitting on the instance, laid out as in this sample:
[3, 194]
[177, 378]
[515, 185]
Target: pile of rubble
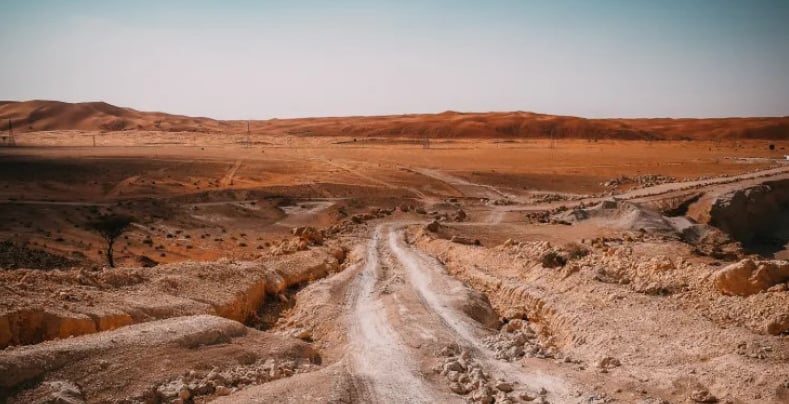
[544, 198]
[304, 237]
[657, 275]
[467, 378]
[517, 340]
[218, 382]
[641, 181]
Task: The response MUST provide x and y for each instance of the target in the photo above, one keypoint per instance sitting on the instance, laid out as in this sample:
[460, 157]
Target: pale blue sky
[263, 59]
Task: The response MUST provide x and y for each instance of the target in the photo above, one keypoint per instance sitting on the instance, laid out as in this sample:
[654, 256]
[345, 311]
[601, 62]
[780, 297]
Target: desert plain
[435, 258]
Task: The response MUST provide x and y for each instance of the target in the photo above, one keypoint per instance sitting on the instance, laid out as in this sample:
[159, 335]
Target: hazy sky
[262, 59]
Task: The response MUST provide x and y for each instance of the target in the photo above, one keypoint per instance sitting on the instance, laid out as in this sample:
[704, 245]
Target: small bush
[553, 259]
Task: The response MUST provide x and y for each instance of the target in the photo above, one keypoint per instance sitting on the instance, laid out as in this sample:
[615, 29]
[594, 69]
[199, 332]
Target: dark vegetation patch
[14, 256]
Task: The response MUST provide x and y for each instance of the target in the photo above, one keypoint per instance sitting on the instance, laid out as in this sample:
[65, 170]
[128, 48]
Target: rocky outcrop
[755, 215]
[749, 277]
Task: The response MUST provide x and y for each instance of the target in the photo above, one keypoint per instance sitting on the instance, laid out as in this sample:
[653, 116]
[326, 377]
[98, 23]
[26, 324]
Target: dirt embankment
[39, 306]
[196, 357]
[757, 216]
[657, 314]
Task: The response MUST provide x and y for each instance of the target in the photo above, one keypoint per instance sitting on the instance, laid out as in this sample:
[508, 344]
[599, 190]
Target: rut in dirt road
[378, 358]
[435, 288]
[385, 368]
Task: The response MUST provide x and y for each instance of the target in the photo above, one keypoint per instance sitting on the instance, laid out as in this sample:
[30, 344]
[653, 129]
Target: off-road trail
[379, 359]
[438, 290]
[227, 180]
[466, 187]
[403, 309]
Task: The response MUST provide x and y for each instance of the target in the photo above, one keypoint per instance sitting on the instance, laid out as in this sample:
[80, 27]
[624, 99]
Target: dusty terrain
[287, 267]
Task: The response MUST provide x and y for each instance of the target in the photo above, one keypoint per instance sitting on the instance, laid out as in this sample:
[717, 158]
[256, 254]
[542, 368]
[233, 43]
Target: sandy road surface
[403, 307]
[379, 359]
[436, 289]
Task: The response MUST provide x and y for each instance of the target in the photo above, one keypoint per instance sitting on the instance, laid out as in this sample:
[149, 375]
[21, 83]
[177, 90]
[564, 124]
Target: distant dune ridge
[54, 115]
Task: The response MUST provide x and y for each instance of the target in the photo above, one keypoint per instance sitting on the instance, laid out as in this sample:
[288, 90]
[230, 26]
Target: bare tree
[110, 227]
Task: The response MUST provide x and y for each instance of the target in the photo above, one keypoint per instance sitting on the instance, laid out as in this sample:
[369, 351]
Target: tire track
[378, 358]
[432, 283]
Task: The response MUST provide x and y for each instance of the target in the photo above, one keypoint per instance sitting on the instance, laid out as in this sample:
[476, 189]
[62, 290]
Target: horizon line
[448, 111]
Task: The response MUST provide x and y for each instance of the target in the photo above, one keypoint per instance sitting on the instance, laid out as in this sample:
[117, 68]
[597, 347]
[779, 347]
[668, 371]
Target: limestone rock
[749, 277]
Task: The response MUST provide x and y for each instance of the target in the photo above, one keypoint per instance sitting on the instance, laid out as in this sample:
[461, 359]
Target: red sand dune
[54, 115]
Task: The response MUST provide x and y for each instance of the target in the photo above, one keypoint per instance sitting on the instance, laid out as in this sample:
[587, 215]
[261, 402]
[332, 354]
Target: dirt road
[379, 359]
[403, 309]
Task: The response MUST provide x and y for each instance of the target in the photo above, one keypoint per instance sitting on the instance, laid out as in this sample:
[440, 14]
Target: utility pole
[249, 140]
[426, 141]
[552, 140]
[11, 141]
[94, 140]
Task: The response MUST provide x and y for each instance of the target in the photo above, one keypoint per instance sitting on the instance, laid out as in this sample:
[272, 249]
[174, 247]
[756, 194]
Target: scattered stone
[433, 226]
[453, 365]
[504, 386]
[552, 259]
[703, 396]
[457, 388]
[608, 362]
[308, 234]
[450, 350]
[526, 397]
[516, 340]
[63, 392]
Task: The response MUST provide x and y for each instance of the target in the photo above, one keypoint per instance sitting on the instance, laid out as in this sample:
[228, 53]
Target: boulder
[749, 277]
[308, 234]
[608, 362]
[433, 226]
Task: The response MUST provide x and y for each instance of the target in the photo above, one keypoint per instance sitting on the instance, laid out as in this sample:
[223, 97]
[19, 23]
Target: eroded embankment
[196, 356]
[757, 216]
[620, 302]
[40, 306]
